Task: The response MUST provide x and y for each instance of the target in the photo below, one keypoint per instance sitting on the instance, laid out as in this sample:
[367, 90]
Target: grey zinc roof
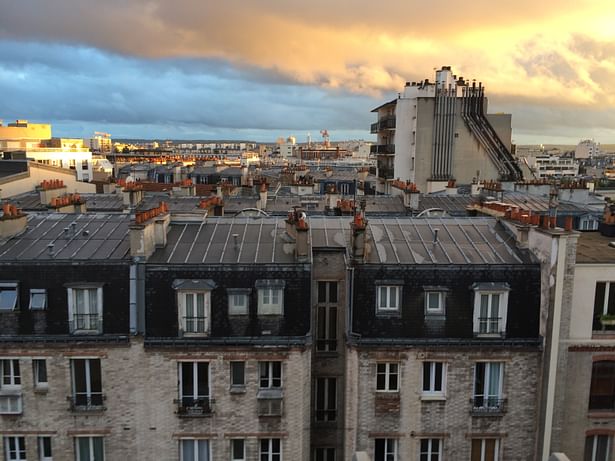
[96, 237]
[393, 241]
[411, 240]
[227, 241]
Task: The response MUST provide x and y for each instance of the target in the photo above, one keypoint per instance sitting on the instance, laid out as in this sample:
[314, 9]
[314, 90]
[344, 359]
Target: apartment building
[438, 131]
[197, 338]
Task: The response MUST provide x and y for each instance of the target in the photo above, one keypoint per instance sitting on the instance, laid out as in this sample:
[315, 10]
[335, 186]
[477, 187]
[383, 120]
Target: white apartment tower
[434, 132]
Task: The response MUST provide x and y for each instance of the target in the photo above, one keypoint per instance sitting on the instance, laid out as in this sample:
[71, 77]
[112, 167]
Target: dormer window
[490, 308]
[270, 297]
[435, 300]
[85, 308]
[194, 305]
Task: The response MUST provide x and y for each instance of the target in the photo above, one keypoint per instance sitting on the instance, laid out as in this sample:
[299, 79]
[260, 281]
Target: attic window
[8, 296]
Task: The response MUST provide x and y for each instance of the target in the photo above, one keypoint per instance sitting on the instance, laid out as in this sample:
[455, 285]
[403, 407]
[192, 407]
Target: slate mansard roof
[247, 241]
[83, 237]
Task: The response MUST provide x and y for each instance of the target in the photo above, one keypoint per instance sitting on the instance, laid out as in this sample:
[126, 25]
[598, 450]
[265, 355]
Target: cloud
[290, 53]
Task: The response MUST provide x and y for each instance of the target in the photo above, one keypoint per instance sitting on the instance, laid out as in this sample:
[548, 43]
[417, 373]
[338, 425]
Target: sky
[260, 69]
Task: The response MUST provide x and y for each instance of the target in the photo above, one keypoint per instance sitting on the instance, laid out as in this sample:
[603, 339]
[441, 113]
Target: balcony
[86, 324]
[382, 149]
[385, 123]
[85, 403]
[488, 406]
[385, 173]
[489, 326]
[188, 407]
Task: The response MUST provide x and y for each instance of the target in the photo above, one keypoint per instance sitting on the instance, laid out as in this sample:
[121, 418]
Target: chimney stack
[12, 222]
[262, 202]
[149, 231]
[359, 237]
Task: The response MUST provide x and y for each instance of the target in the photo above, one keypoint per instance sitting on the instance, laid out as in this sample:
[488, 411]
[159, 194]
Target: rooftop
[246, 240]
[593, 248]
[97, 237]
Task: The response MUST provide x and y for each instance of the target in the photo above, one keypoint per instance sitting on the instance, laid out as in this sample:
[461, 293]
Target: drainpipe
[133, 298]
[554, 347]
[137, 296]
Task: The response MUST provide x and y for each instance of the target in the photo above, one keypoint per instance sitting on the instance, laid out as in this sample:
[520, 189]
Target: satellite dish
[129, 178]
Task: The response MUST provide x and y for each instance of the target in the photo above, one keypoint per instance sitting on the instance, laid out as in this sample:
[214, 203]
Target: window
[385, 450]
[194, 387]
[39, 369]
[326, 329]
[87, 384]
[598, 448]
[89, 449]
[488, 378]
[485, 450]
[238, 374]
[431, 450]
[270, 450]
[387, 377]
[604, 304]
[270, 301]
[38, 299]
[15, 448]
[85, 310]
[434, 379]
[10, 387]
[435, 301]
[326, 399]
[602, 389]
[194, 450]
[324, 454]
[270, 375]
[490, 308]
[8, 296]
[238, 301]
[238, 450]
[44, 449]
[388, 298]
[194, 312]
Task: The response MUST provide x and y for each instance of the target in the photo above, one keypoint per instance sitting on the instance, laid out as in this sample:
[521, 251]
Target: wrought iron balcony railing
[82, 402]
[194, 407]
[493, 406]
[489, 326]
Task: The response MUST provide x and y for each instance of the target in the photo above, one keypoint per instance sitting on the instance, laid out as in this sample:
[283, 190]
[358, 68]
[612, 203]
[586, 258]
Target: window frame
[96, 315]
[195, 396]
[388, 308]
[490, 289]
[34, 292]
[390, 449]
[270, 378]
[441, 292]
[89, 391]
[266, 306]
[91, 439]
[14, 374]
[41, 448]
[428, 453]
[19, 442]
[598, 380]
[387, 376]
[196, 442]
[39, 384]
[325, 413]
[430, 369]
[243, 449]
[604, 309]
[327, 316]
[325, 454]
[487, 398]
[233, 307]
[268, 452]
[182, 307]
[237, 385]
[483, 448]
[10, 287]
[595, 441]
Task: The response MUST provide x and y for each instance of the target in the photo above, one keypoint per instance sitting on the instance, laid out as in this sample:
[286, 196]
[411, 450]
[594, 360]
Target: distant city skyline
[260, 70]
